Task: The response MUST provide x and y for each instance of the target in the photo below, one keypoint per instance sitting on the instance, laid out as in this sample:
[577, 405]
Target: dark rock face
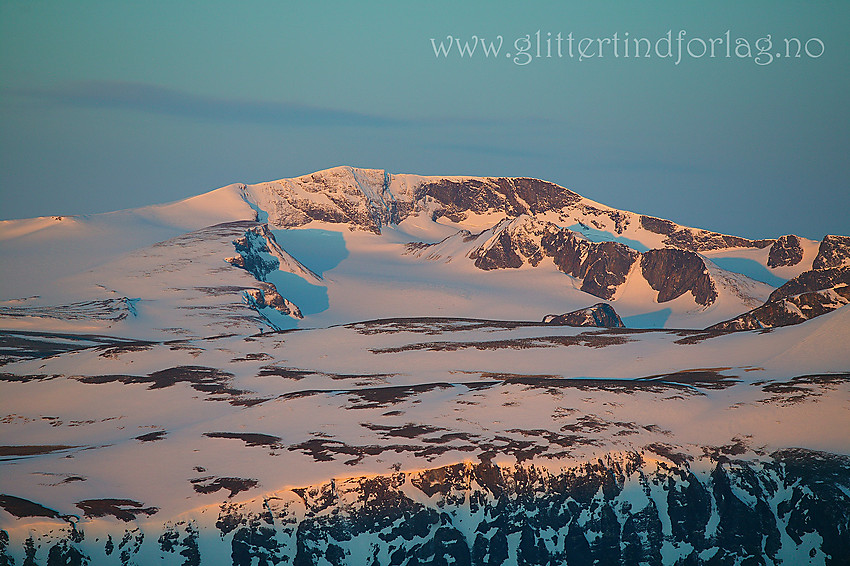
[786, 312]
[813, 280]
[809, 295]
[605, 268]
[785, 251]
[540, 196]
[601, 315]
[834, 251]
[552, 518]
[501, 255]
[459, 198]
[602, 266]
[696, 240]
[657, 225]
[513, 196]
[567, 249]
[516, 242]
[673, 272]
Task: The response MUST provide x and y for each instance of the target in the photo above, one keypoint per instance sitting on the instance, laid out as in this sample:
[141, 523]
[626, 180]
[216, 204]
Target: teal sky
[107, 105]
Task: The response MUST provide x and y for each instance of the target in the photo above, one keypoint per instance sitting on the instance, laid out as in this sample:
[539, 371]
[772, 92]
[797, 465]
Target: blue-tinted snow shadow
[319, 251]
[595, 235]
[655, 319]
[311, 299]
[749, 267]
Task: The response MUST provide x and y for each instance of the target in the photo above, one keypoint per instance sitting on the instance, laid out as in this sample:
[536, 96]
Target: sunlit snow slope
[357, 367]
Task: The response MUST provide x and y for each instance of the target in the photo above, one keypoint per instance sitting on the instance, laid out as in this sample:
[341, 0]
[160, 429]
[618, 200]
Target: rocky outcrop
[834, 251]
[260, 254]
[499, 255]
[786, 312]
[514, 243]
[694, 239]
[601, 315]
[267, 296]
[657, 225]
[785, 251]
[601, 266]
[809, 295]
[673, 272]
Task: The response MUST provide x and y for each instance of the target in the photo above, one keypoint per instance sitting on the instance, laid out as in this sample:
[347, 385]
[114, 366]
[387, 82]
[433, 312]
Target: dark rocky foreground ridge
[654, 507]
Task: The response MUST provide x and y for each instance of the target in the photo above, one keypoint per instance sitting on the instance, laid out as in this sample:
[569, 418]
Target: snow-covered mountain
[357, 367]
[502, 248]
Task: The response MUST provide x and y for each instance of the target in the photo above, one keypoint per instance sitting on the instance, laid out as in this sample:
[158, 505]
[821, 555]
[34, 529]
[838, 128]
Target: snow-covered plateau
[358, 367]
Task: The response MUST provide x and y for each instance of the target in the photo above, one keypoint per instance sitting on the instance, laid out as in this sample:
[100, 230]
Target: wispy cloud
[161, 100]
[143, 97]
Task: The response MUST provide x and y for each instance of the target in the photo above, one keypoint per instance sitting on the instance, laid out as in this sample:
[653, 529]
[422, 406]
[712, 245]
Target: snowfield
[352, 367]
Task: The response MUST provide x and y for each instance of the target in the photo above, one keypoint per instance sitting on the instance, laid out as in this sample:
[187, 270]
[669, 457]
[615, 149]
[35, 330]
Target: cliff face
[602, 266]
[673, 272]
[785, 251]
[513, 196]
